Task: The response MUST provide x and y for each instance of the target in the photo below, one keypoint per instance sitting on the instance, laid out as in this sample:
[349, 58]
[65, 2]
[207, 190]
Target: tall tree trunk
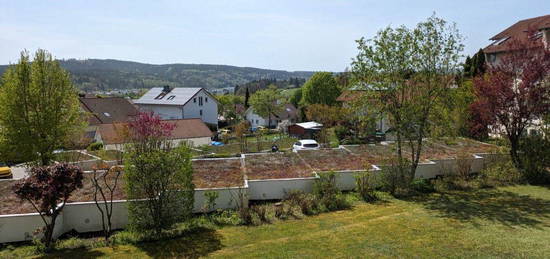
[514, 146]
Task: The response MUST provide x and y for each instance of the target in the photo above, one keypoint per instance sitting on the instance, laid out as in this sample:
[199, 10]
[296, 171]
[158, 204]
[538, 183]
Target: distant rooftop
[518, 31]
[168, 96]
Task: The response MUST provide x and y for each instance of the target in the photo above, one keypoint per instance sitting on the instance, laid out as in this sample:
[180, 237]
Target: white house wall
[209, 109]
[166, 112]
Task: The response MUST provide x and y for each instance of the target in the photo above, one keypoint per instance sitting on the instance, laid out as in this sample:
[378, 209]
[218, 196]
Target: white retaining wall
[20, 227]
[85, 217]
[229, 198]
[276, 189]
[345, 180]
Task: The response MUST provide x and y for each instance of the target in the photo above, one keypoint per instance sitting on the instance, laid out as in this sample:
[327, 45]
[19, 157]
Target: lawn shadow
[505, 207]
[196, 243]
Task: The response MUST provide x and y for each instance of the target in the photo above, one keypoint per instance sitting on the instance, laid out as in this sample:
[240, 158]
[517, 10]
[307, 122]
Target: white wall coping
[285, 179]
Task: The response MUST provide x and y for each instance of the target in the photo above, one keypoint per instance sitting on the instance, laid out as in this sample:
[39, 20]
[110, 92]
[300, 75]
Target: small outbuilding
[305, 130]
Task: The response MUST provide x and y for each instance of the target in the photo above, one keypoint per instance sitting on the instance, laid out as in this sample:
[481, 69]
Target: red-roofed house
[539, 27]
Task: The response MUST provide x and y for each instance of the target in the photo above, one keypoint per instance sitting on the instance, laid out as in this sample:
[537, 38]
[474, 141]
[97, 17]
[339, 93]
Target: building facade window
[200, 111]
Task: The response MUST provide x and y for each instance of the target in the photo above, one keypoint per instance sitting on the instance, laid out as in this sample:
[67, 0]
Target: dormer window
[160, 96]
[171, 97]
[500, 41]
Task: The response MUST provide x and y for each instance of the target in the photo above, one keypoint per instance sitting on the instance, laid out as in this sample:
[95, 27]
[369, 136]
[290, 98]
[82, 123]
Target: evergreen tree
[467, 66]
[246, 97]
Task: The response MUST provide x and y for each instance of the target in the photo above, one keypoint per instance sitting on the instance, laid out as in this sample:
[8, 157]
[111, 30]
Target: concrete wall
[85, 217]
[229, 198]
[20, 227]
[345, 180]
[276, 189]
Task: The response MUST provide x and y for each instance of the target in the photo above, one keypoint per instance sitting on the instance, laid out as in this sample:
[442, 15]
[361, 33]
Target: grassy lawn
[233, 147]
[108, 155]
[505, 222]
[72, 156]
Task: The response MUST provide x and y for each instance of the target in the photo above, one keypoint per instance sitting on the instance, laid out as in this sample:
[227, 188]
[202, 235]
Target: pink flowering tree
[48, 188]
[147, 131]
[158, 176]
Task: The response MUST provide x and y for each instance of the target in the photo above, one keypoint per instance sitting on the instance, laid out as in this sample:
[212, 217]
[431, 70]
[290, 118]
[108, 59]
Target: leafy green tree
[321, 88]
[158, 176]
[409, 71]
[296, 97]
[267, 102]
[39, 108]
[227, 106]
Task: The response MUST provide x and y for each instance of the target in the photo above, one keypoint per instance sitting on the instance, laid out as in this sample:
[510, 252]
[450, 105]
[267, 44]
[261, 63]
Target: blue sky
[289, 35]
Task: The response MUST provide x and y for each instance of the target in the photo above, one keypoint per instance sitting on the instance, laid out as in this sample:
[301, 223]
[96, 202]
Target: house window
[200, 101]
[195, 99]
[205, 99]
[171, 97]
[256, 121]
[200, 111]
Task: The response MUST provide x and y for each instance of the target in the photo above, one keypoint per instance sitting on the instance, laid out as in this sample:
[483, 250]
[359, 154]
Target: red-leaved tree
[514, 91]
[48, 188]
[147, 131]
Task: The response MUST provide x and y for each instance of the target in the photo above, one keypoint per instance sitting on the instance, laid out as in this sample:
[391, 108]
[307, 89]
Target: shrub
[535, 159]
[210, 198]
[341, 132]
[500, 174]
[307, 203]
[95, 146]
[422, 186]
[464, 165]
[329, 195]
[395, 177]
[365, 185]
[265, 213]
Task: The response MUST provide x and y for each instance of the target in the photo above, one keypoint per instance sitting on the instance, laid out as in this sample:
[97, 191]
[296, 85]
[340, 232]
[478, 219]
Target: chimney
[166, 89]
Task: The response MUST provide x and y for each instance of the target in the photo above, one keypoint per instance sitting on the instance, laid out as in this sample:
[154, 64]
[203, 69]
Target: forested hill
[107, 74]
[262, 84]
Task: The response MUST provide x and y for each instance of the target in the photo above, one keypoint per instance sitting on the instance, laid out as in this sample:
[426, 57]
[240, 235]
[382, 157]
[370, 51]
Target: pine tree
[467, 66]
[246, 97]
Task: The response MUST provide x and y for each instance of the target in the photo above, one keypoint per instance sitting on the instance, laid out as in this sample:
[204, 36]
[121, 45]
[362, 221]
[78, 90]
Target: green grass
[506, 222]
[107, 155]
[72, 156]
[233, 147]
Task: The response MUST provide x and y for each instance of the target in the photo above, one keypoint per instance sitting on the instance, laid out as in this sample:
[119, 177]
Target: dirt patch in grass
[276, 166]
[333, 160]
[217, 173]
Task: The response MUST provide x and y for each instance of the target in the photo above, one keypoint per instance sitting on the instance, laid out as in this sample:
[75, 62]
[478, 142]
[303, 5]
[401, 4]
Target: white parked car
[305, 144]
